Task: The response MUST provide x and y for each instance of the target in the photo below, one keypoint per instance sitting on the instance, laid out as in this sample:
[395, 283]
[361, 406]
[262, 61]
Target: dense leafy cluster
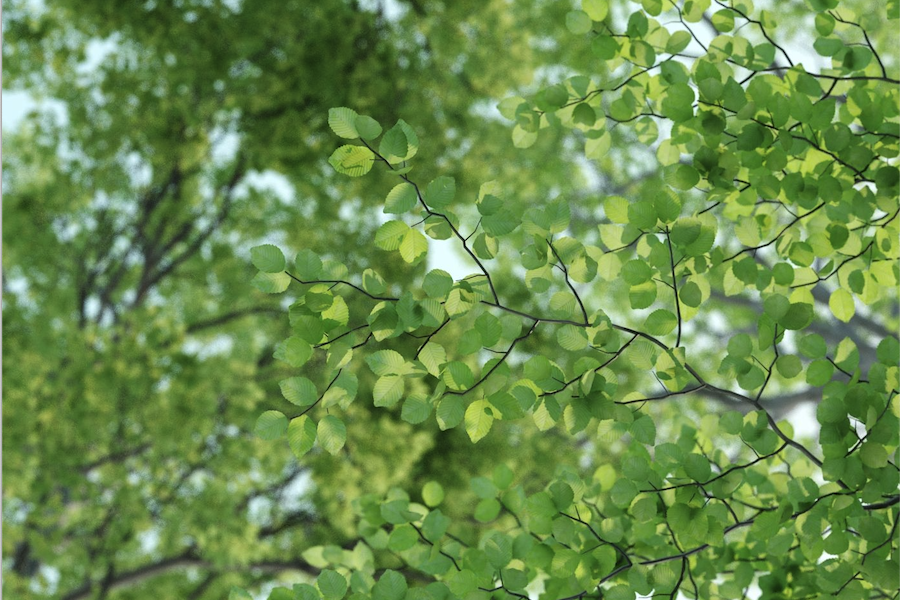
[776, 185]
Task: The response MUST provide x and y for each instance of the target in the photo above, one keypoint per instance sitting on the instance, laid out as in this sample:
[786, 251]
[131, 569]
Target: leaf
[433, 356]
[414, 246]
[399, 144]
[487, 510]
[388, 390]
[595, 9]
[332, 584]
[798, 316]
[301, 435]
[298, 390]
[597, 147]
[643, 429]
[432, 493]
[642, 214]
[390, 235]
[458, 376]
[440, 192]
[479, 418]
[271, 283]
[267, 258]
[294, 351]
[437, 283]
[435, 525]
[332, 434]
[391, 586]
[450, 412]
[354, 161]
[697, 467]
[343, 122]
[842, 305]
[367, 127]
[522, 138]
[578, 22]
[386, 362]
[308, 265]
[682, 177]
[416, 409]
[402, 198]
[271, 425]
[660, 322]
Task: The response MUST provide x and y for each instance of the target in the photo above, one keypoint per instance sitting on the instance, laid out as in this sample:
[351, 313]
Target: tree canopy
[662, 361]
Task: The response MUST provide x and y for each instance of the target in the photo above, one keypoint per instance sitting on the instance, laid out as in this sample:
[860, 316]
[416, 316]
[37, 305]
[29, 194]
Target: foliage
[173, 136]
[776, 186]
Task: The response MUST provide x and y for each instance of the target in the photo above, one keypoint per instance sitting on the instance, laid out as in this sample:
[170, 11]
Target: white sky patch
[274, 182]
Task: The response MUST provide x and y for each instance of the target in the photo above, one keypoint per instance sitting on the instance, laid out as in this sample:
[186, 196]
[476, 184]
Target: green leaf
[294, 351]
[798, 316]
[842, 305]
[434, 526]
[399, 144]
[367, 127]
[267, 258]
[636, 272]
[414, 246]
[597, 147]
[298, 390]
[393, 145]
[343, 122]
[332, 584]
[678, 41]
[450, 412]
[301, 435]
[332, 434]
[643, 429]
[682, 177]
[440, 192]
[690, 294]
[402, 198]
[388, 390]
[740, 346]
[271, 283]
[433, 356]
[386, 362]
[271, 425]
[479, 418]
[522, 138]
[500, 223]
[487, 510]
[308, 265]
[432, 493]
[595, 9]
[403, 537]
[788, 365]
[578, 22]
[458, 376]
[642, 214]
[354, 161]
[437, 283]
[415, 409]
[697, 467]
[660, 322]
[390, 235]
[391, 586]
[812, 346]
